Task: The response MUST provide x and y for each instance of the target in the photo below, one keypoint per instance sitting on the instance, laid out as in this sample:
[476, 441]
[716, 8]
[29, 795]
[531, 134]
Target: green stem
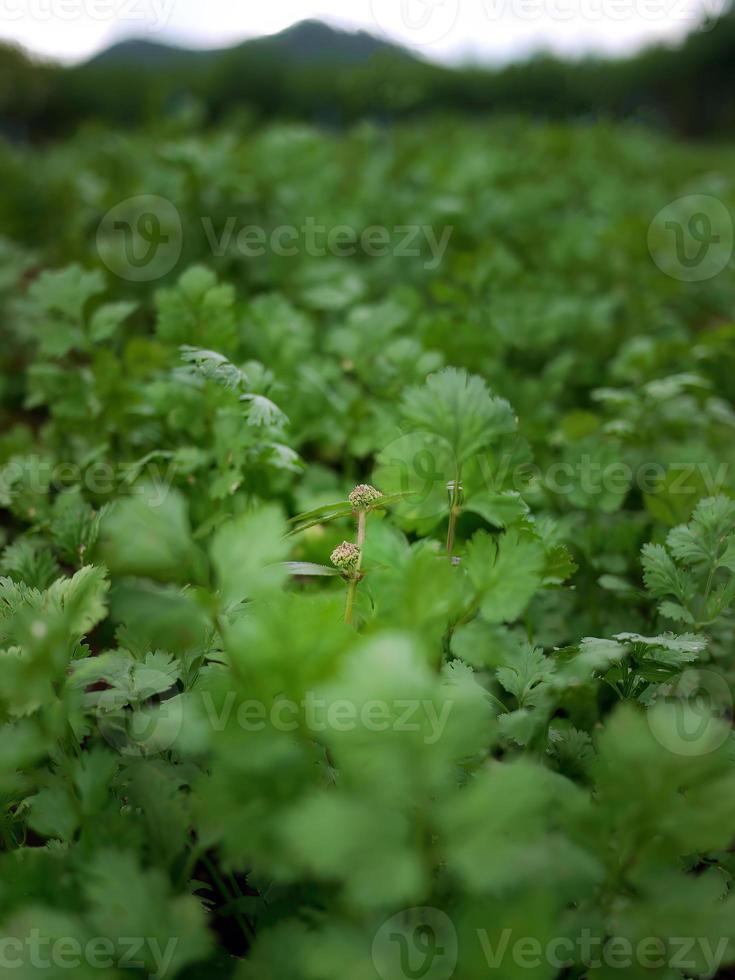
[350, 602]
[454, 512]
[361, 528]
[355, 576]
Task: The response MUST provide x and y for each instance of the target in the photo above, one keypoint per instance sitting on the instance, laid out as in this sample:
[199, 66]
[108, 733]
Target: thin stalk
[350, 601]
[355, 575]
[454, 511]
[361, 527]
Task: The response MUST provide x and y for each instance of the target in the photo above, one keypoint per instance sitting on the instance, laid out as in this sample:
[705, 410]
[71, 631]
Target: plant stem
[361, 526]
[454, 511]
[355, 576]
[351, 590]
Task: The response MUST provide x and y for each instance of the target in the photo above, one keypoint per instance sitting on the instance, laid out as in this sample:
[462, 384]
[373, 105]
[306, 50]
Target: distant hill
[137, 53]
[309, 42]
[331, 77]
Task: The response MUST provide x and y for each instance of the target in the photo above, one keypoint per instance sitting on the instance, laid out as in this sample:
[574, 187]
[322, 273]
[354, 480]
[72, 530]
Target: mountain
[313, 41]
[333, 77]
[140, 53]
[309, 42]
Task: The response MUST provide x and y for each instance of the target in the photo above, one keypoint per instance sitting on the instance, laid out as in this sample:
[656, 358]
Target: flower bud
[346, 556]
[364, 496]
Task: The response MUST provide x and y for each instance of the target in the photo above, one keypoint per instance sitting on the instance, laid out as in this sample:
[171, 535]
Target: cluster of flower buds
[364, 496]
[346, 556]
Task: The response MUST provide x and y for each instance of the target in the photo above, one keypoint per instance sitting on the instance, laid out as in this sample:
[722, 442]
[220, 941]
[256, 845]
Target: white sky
[447, 30]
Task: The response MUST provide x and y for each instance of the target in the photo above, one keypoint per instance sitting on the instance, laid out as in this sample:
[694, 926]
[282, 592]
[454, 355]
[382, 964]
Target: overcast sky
[447, 30]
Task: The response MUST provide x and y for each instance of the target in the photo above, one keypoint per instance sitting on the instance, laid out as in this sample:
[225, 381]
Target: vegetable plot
[366, 615]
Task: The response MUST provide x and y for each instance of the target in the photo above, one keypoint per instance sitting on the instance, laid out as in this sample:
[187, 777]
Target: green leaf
[667, 648]
[506, 573]
[458, 408]
[198, 311]
[126, 901]
[592, 657]
[526, 675]
[106, 319]
[306, 568]
[149, 534]
[53, 813]
[74, 526]
[248, 555]
[213, 367]
[160, 617]
[82, 598]
[29, 561]
[661, 575]
[320, 515]
[499, 509]
[710, 533]
[56, 302]
[262, 411]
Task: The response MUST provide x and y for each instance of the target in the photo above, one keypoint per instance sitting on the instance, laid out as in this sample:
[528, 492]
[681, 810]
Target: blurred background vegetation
[314, 73]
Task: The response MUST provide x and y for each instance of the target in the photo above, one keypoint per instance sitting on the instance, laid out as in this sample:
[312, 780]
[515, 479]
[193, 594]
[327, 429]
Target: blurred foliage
[687, 88]
[198, 751]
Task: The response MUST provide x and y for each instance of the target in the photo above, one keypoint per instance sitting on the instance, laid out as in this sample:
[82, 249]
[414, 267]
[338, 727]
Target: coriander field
[367, 552]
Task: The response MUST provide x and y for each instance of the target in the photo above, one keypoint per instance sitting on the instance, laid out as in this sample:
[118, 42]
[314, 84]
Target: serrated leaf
[506, 573]
[106, 319]
[526, 674]
[499, 509]
[458, 408]
[667, 648]
[213, 366]
[82, 598]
